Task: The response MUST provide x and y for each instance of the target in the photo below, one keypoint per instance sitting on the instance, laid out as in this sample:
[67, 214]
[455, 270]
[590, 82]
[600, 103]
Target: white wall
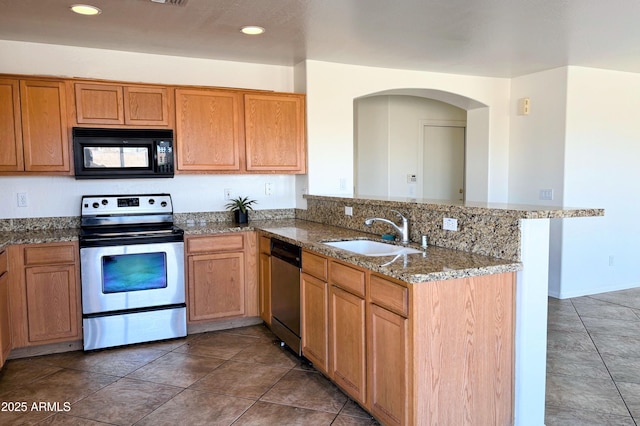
[332, 88]
[581, 139]
[388, 139]
[66, 61]
[371, 146]
[60, 196]
[536, 152]
[602, 156]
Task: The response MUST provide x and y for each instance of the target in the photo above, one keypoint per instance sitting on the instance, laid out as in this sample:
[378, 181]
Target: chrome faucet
[403, 230]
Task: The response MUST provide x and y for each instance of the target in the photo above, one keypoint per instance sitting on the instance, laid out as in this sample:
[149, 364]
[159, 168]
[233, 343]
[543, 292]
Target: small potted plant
[240, 207]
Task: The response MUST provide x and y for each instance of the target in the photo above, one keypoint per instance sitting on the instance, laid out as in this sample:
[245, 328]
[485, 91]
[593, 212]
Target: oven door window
[134, 272]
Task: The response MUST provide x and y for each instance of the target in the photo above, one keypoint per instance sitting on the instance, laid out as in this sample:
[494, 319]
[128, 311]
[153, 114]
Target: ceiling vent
[171, 2]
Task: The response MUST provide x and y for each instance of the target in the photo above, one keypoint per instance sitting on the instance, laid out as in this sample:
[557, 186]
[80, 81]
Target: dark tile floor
[239, 377]
[242, 377]
[593, 360]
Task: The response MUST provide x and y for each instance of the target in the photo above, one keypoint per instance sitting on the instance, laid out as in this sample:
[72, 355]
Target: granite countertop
[39, 236]
[510, 210]
[434, 264]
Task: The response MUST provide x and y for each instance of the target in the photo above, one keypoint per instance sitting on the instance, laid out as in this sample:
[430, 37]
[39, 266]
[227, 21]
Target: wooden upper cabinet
[114, 104]
[99, 104]
[11, 158]
[45, 129]
[208, 130]
[34, 133]
[146, 106]
[275, 134]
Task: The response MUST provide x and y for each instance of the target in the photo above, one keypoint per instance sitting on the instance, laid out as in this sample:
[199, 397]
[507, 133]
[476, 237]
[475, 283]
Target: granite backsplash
[487, 234]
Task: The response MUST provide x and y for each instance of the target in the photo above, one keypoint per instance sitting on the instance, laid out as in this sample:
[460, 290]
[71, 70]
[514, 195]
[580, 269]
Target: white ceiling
[501, 38]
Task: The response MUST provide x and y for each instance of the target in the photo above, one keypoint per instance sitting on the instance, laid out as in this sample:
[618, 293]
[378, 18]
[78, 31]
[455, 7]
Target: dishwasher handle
[288, 252]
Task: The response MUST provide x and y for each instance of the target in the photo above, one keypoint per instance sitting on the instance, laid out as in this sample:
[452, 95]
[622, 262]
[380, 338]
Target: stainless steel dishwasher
[285, 293]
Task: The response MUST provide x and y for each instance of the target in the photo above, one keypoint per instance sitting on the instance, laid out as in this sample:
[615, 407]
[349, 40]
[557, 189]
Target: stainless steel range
[132, 270]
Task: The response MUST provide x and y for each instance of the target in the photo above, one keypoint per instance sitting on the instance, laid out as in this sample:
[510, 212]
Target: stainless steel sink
[371, 248]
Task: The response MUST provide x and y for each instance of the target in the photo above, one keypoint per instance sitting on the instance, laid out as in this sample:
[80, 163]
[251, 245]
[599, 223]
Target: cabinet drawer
[229, 242]
[265, 244]
[347, 278]
[314, 265]
[389, 295]
[3, 262]
[49, 254]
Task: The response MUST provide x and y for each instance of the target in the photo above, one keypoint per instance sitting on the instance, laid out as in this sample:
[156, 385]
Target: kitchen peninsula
[506, 231]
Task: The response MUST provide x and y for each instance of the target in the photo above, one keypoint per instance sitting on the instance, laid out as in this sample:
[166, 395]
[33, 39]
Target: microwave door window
[96, 157]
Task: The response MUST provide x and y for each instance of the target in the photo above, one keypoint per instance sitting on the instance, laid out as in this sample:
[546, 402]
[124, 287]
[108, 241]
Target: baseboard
[195, 328]
[76, 345]
[52, 348]
[593, 291]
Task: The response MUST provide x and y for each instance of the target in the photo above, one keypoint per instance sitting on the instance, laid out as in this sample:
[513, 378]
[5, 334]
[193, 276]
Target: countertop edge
[270, 228]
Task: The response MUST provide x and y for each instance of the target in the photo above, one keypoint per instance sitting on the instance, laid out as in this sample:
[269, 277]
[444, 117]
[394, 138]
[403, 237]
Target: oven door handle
[129, 240]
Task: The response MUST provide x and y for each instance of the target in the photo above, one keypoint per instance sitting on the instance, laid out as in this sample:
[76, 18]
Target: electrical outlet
[268, 188]
[343, 184]
[348, 211]
[227, 194]
[449, 224]
[23, 200]
[546, 194]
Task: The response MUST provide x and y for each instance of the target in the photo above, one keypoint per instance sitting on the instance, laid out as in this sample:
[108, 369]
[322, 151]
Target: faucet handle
[404, 219]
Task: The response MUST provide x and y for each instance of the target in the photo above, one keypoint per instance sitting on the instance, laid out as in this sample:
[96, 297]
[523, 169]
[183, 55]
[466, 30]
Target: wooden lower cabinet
[347, 349]
[463, 351]
[216, 286]
[438, 352]
[314, 295]
[388, 362]
[221, 276]
[44, 296]
[5, 324]
[51, 308]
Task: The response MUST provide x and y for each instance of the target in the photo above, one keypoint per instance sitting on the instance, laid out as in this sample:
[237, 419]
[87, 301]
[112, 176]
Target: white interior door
[443, 163]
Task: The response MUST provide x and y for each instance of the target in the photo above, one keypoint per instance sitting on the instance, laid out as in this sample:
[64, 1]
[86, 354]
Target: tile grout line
[603, 362]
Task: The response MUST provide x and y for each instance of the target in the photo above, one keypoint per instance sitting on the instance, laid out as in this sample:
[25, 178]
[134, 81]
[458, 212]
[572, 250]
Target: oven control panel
[126, 204]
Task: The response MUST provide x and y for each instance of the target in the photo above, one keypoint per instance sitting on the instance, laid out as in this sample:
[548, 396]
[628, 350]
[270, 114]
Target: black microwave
[122, 153]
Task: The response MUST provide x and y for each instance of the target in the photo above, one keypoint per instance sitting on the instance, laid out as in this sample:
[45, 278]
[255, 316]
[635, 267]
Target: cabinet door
[347, 343]
[5, 325]
[99, 104]
[45, 132]
[208, 130]
[265, 287]
[275, 133]
[216, 286]
[146, 106]
[315, 321]
[52, 301]
[388, 353]
[11, 158]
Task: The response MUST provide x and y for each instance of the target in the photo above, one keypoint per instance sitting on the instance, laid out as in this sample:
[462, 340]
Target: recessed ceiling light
[252, 30]
[85, 9]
